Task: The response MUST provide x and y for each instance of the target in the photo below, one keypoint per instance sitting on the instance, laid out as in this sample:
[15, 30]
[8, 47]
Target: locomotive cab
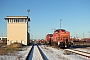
[62, 38]
[49, 38]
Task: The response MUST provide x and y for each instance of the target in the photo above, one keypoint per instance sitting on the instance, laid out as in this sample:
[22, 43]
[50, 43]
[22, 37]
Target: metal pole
[60, 23]
[76, 35]
[89, 34]
[2, 34]
[28, 10]
[83, 34]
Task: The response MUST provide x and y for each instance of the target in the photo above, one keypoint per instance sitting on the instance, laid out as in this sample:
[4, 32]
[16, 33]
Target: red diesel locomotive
[60, 37]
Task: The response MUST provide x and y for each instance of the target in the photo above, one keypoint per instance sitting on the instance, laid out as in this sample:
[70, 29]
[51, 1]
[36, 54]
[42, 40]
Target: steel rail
[82, 53]
[30, 55]
[42, 54]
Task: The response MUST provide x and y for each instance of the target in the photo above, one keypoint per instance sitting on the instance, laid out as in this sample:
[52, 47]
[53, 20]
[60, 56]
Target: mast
[60, 23]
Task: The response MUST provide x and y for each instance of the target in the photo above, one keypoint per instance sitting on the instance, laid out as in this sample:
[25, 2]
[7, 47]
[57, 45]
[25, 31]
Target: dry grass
[10, 49]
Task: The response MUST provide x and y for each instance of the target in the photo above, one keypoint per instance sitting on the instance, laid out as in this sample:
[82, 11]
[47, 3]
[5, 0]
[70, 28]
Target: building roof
[18, 17]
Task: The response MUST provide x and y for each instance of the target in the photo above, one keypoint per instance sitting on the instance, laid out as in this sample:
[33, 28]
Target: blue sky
[46, 14]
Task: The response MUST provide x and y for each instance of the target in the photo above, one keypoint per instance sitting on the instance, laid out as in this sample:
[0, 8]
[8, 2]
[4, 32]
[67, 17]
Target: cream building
[17, 29]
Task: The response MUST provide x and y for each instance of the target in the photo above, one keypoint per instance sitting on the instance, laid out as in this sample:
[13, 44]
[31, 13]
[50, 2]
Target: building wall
[17, 32]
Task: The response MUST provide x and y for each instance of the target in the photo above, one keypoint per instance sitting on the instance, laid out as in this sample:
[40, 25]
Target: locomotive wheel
[67, 44]
[62, 45]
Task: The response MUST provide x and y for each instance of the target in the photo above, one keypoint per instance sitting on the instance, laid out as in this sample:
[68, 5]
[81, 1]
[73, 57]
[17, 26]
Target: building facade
[17, 29]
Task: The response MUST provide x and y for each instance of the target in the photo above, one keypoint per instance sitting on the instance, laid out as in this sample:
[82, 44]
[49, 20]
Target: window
[25, 20]
[8, 21]
[21, 20]
[18, 20]
[14, 20]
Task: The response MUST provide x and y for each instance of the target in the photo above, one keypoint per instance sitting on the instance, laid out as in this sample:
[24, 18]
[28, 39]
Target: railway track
[36, 53]
[79, 52]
